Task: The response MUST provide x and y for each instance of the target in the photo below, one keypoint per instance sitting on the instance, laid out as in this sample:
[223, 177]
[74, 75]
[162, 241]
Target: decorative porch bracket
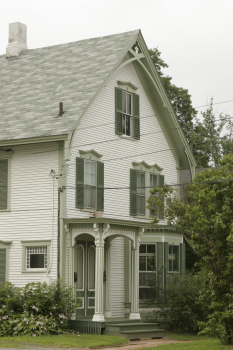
[134, 314]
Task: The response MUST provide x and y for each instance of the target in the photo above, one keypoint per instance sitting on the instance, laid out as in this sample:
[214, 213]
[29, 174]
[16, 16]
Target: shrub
[35, 309]
[178, 306]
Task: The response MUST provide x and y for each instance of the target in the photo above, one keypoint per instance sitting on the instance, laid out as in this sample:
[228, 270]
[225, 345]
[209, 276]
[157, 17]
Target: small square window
[36, 257]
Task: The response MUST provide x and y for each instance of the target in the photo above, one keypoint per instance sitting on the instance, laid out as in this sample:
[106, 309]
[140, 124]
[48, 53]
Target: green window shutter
[100, 186]
[2, 266]
[182, 259]
[159, 267]
[118, 111]
[166, 263]
[3, 183]
[133, 192]
[136, 117]
[80, 183]
[161, 184]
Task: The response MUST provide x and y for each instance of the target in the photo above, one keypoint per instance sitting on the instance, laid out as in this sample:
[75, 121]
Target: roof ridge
[78, 41]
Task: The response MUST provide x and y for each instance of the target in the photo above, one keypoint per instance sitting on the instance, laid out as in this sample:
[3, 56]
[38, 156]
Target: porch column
[99, 274]
[134, 314]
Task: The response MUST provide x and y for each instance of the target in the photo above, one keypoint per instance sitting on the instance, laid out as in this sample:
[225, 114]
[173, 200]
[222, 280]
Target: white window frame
[80, 245]
[92, 246]
[36, 243]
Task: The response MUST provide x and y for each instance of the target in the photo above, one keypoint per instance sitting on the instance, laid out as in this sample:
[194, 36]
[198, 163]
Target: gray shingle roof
[32, 85]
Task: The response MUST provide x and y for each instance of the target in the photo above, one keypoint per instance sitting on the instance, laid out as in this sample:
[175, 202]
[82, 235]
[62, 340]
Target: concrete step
[120, 327]
[140, 334]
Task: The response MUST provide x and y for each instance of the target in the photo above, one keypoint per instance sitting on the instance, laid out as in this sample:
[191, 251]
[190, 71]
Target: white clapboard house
[86, 129]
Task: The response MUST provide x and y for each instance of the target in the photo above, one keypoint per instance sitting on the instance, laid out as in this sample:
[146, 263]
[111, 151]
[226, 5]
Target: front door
[85, 278]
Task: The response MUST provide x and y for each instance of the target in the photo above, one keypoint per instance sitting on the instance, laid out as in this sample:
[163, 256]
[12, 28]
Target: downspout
[58, 233]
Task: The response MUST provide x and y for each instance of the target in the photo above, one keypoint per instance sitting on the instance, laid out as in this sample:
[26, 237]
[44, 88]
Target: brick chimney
[17, 41]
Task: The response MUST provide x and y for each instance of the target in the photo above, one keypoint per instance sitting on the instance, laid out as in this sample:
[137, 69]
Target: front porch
[103, 267]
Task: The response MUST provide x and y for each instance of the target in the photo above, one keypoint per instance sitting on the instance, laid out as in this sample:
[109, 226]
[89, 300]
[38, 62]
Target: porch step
[134, 330]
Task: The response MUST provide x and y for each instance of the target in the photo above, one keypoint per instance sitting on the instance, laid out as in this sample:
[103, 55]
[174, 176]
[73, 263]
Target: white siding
[31, 203]
[98, 125]
[117, 278]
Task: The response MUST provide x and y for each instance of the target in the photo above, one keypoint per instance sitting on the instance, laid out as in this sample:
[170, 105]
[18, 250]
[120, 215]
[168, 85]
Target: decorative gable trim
[91, 154]
[6, 154]
[126, 85]
[144, 166]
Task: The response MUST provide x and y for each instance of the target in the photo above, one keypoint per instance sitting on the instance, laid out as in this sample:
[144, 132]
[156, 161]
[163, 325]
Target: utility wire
[117, 139]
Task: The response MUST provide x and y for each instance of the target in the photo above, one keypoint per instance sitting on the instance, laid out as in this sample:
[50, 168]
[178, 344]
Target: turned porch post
[134, 314]
[99, 274]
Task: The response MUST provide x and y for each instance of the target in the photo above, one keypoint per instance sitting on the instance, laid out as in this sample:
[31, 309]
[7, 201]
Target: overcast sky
[194, 36]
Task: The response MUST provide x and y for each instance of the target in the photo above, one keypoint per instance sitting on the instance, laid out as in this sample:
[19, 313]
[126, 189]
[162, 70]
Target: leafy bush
[178, 306]
[35, 309]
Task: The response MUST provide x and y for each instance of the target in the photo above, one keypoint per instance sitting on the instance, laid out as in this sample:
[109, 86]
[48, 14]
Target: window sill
[4, 210]
[127, 137]
[34, 270]
[88, 210]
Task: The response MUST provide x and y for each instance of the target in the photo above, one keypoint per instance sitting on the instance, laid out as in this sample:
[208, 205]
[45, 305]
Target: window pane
[173, 258]
[128, 104]
[142, 279]
[90, 173]
[142, 248]
[153, 180]
[123, 124]
[128, 125]
[37, 261]
[145, 293]
[150, 263]
[141, 183]
[140, 205]
[142, 263]
[124, 102]
[150, 248]
[80, 267]
[89, 196]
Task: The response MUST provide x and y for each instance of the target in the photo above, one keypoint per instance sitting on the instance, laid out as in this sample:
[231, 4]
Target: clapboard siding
[30, 217]
[117, 278]
[98, 124]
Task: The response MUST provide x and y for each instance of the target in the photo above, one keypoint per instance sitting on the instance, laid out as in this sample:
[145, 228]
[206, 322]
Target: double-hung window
[127, 121]
[141, 181]
[89, 184]
[127, 113]
[147, 270]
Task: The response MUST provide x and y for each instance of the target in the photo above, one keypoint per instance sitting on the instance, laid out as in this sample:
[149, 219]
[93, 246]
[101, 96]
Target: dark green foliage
[35, 309]
[203, 212]
[178, 304]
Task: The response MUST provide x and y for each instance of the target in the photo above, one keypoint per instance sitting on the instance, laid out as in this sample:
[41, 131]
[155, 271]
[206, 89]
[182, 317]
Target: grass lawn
[62, 341]
[199, 343]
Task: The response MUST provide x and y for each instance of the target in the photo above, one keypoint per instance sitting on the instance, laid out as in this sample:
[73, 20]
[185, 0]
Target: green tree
[203, 211]
[179, 97]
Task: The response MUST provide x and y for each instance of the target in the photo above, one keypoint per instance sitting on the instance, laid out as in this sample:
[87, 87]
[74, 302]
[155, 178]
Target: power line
[117, 139]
